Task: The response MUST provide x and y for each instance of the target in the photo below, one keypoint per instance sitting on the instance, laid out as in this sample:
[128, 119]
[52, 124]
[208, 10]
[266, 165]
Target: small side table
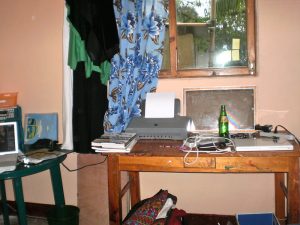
[26, 170]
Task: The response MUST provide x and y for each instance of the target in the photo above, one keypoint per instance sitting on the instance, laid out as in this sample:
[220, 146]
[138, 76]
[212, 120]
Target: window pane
[211, 33]
[192, 33]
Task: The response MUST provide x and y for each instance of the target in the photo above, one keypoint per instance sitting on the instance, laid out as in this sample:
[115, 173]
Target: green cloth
[78, 53]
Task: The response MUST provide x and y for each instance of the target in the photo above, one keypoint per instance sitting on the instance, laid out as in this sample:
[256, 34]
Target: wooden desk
[165, 156]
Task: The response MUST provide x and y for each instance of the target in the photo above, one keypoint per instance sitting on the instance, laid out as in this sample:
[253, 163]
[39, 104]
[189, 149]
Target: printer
[175, 128]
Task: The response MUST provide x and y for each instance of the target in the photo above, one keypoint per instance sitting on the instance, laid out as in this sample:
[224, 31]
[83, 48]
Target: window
[209, 38]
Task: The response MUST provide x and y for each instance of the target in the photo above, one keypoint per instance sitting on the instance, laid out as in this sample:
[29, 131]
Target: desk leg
[134, 187]
[4, 203]
[57, 186]
[279, 196]
[17, 183]
[114, 190]
[293, 186]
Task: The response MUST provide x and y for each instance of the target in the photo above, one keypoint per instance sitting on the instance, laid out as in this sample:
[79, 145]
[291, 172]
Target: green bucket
[63, 215]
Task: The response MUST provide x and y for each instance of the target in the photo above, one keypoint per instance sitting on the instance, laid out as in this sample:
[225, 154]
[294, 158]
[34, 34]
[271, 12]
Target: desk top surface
[161, 148]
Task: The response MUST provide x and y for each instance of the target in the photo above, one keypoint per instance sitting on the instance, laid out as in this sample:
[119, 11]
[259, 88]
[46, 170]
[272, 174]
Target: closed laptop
[262, 144]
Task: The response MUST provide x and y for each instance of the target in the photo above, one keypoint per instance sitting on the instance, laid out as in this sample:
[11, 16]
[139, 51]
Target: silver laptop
[9, 146]
[262, 144]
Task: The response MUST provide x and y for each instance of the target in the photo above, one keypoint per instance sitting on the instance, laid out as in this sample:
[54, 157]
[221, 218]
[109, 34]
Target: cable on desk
[93, 164]
[190, 145]
[275, 131]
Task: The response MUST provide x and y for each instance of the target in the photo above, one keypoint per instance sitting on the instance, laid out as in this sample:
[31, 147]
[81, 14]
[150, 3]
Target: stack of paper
[37, 156]
[114, 142]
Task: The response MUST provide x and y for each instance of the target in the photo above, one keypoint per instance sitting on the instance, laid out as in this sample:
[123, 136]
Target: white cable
[190, 145]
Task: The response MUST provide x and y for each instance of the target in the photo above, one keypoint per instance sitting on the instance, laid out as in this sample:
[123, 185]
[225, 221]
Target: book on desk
[114, 142]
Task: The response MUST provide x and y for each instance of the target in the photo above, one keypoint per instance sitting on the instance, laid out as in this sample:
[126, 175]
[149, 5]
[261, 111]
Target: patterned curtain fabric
[134, 71]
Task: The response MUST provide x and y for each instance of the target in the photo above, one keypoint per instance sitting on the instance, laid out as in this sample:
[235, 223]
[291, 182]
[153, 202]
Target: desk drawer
[150, 163]
[200, 162]
[252, 164]
[239, 164]
[171, 164]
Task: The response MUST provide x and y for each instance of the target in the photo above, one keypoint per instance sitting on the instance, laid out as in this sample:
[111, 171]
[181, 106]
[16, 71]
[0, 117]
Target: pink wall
[31, 63]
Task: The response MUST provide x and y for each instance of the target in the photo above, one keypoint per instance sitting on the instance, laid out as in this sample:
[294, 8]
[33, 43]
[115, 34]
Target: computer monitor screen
[8, 137]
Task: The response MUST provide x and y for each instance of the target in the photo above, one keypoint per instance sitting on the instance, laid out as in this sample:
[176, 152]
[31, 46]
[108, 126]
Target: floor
[31, 220]
[92, 190]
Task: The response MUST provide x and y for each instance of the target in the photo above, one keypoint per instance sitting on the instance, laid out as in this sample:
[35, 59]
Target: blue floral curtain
[134, 71]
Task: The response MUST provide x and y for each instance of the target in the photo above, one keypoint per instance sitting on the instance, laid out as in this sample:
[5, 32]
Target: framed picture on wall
[40, 126]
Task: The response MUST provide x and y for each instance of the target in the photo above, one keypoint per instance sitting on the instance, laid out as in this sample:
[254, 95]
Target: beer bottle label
[223, 119]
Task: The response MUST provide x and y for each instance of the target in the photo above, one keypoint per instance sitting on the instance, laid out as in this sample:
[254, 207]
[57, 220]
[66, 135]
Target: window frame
[173, 72]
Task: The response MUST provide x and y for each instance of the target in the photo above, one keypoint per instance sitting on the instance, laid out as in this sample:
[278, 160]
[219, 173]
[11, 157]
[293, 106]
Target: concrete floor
[31, 220]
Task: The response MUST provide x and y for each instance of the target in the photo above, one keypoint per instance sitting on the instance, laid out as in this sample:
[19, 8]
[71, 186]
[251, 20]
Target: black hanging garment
[89, 106]
[95, 22]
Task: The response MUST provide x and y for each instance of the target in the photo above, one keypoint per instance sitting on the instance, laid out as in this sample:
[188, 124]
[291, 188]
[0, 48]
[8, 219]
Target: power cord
[276, 128]
[82, 167]
[85, 166]
[192, 144]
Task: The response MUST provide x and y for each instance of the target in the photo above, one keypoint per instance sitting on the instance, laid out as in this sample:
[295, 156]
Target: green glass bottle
[223, 123]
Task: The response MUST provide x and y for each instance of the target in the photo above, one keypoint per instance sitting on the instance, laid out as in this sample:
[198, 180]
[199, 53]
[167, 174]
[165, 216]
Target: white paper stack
[114, 142]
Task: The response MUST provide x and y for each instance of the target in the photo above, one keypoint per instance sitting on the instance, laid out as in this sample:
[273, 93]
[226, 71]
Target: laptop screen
[8, 138]
[203, 106]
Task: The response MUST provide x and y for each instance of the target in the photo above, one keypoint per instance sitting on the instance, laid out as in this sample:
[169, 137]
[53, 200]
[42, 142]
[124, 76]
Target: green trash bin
[63, 215]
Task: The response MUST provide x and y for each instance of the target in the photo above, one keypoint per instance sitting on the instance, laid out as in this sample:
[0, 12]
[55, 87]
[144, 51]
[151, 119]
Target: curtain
[134, 70]
[67, 90]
